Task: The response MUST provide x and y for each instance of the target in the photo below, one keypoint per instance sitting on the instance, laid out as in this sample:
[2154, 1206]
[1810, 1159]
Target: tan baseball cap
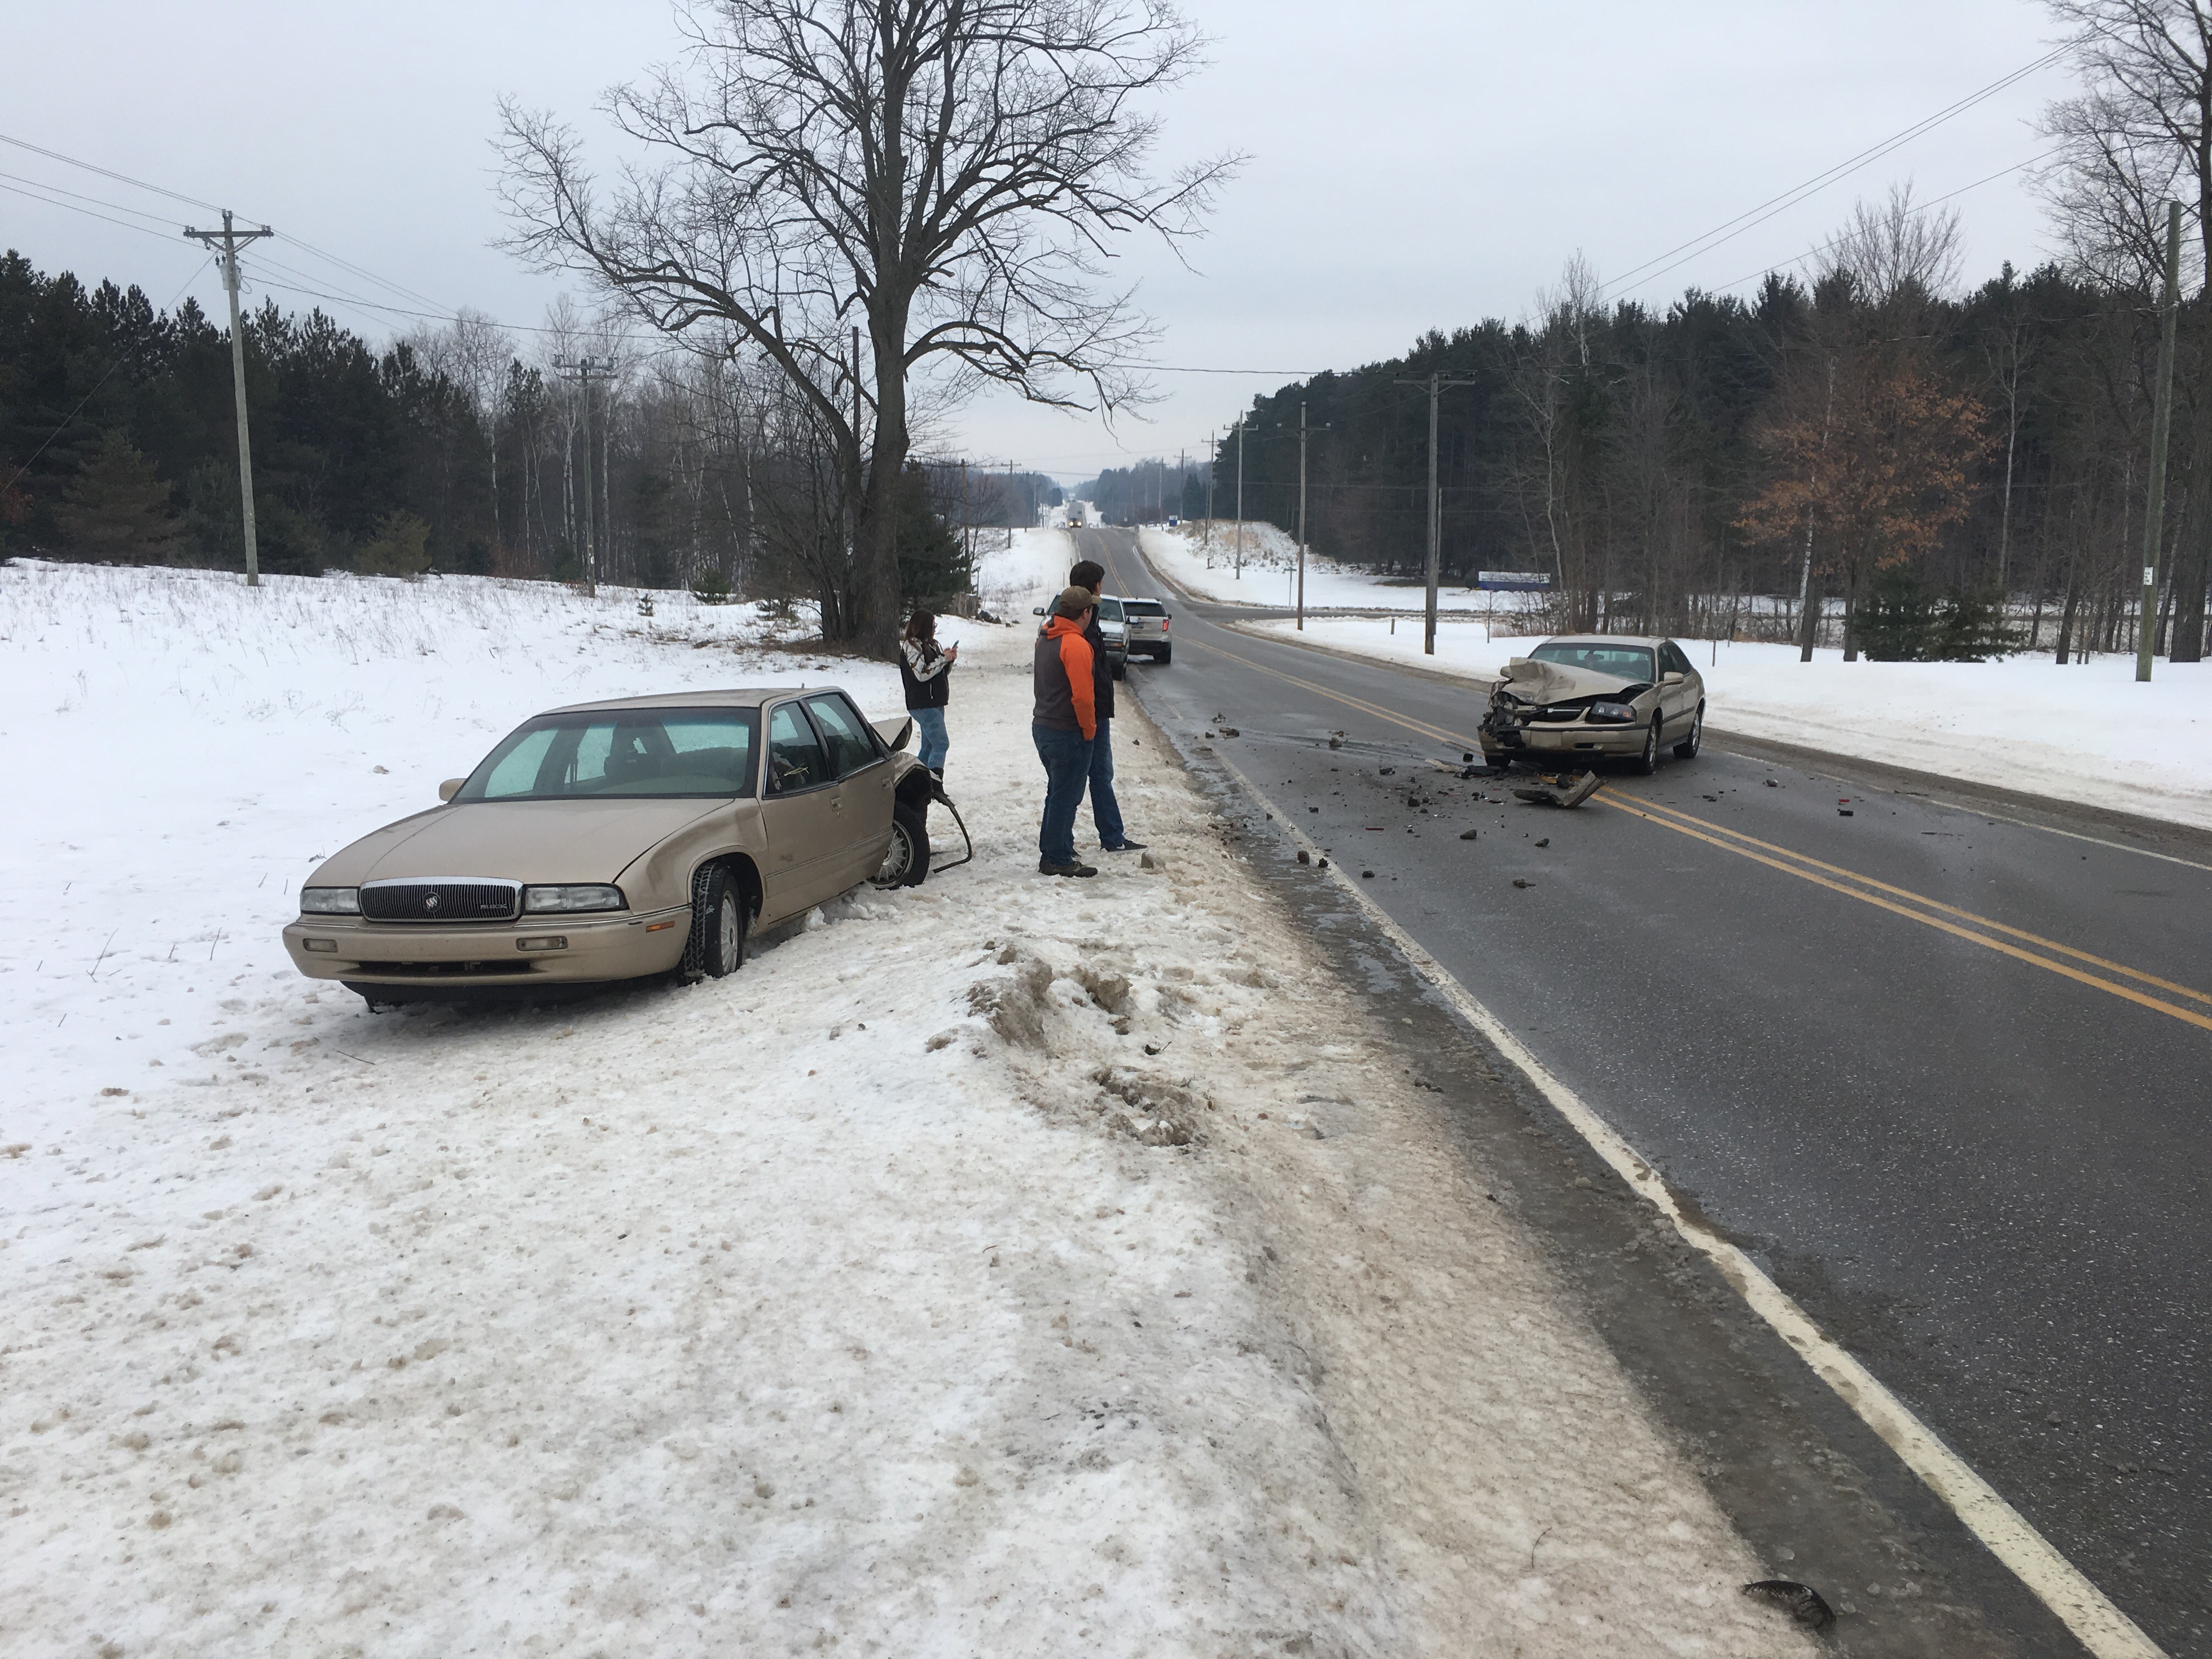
[1074, 602]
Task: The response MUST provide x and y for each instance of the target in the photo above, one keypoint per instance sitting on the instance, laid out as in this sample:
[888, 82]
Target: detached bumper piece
[938, 796]
[1563, 789]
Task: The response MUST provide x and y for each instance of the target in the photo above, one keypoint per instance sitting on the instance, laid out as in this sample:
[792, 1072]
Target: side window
[842, 730]
[795, 760]
[1672, 660]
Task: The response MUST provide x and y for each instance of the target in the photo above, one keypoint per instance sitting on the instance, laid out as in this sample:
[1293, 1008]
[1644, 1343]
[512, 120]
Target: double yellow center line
[2180, 1002]
[2063, 959]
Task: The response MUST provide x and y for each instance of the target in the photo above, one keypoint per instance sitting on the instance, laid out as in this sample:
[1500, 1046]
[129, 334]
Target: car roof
[751, 697]
[1606, 639]
[1147, 597]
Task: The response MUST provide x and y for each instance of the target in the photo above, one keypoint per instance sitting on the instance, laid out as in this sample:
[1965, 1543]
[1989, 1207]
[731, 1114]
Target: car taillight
[1164, 624]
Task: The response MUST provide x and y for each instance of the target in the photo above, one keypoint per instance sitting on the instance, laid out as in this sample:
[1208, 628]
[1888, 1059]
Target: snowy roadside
[935, 1285]
[1208, 567]
[2085, 732]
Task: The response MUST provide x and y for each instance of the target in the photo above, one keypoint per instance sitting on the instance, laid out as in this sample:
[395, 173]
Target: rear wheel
[1687, 749]
[1165, 655]
[719, 922]
[1648, 762]
[906, 861]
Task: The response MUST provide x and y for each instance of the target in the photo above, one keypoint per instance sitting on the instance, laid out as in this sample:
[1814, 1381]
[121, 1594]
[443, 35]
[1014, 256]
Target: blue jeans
[1105, 810]
[1067, 757]
[930, 723]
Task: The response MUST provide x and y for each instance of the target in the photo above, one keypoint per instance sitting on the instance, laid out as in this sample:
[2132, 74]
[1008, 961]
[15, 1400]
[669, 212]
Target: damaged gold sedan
[1579, 699]
[621, 840]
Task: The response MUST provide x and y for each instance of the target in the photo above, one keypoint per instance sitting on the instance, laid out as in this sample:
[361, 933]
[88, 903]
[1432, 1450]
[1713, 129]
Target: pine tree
[117, 509]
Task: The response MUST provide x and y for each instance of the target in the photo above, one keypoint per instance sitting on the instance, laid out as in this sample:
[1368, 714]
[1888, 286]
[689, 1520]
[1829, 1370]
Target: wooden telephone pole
[225, 244]
[1437, 385]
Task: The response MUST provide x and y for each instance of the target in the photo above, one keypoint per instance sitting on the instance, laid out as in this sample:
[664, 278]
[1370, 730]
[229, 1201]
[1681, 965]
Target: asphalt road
[1944, 1075]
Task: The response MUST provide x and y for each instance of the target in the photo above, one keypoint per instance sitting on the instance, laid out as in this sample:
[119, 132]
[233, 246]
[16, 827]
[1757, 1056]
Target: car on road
[1148, 621]
[1114, 629]
[1580, 698]
[621, 840]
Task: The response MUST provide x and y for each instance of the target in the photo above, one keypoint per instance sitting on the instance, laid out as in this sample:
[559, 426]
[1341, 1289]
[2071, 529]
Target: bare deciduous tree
[1895, 254]
[2139, 136]
[866, 192]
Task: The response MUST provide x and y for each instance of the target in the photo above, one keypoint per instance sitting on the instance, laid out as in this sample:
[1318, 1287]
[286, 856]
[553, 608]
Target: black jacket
[1102, 670]
[930, 687]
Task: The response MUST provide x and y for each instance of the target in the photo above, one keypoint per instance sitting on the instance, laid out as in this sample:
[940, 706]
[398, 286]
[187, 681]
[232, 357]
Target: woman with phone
[925, 670]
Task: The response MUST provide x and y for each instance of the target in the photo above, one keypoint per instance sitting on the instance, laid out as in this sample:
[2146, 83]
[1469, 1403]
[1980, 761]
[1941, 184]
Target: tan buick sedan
[1577, 698]
[619, 840]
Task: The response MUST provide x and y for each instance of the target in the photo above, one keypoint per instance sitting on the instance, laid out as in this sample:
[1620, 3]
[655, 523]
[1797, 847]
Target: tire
[1687, 749]
[1121, 669]
[1164, 655]
[906, 861]
[1648, 763]
[719, 925]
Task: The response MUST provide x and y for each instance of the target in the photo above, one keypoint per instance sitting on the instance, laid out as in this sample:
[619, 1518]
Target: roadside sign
[1514, 582]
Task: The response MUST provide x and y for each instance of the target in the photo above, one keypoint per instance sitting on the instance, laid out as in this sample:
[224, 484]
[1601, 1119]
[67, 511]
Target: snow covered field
[933, 1285]
[2085, 733]
[1208, 568]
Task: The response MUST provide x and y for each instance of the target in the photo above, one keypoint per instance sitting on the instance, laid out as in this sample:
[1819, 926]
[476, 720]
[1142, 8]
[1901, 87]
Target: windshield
[1109, 610]
[1626, 662]
[640, 752]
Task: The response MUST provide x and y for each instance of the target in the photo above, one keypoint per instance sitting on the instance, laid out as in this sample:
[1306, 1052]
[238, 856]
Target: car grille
[440, 900]
[1558, 714]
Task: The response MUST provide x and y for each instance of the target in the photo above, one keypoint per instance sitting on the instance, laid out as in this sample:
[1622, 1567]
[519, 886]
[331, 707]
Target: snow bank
[935, 1285]
[2085, 733]
[186, 748]
[1205, 564]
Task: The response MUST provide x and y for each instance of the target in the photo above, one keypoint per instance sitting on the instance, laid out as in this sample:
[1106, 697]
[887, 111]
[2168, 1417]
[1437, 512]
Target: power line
[120, 177]
[1728, 230]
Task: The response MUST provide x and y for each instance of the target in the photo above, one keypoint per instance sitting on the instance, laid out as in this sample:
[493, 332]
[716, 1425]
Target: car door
[1677, 702]
[864, 785]
[802, 810]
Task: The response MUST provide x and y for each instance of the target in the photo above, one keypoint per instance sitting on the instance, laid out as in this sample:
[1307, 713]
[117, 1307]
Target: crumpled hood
[539, 841]
[1547, 682]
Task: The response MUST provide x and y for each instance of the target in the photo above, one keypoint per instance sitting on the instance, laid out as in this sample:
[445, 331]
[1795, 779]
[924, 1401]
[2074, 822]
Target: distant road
[1944, 1076]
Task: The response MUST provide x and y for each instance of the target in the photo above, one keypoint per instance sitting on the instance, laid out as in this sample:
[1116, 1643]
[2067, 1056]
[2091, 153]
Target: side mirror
[450, 787]
[1670, 677]
[1036, 610]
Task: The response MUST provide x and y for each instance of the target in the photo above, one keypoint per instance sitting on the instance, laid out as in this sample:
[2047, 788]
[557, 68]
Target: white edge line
[2084, 1609]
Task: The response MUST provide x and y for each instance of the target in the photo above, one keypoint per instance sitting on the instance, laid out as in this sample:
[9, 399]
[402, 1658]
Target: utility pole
[1212, 455]
[1240, 498]
[1437, 385]
[1303, 430]
[583, 371]
[2160, 420]
[225, 244]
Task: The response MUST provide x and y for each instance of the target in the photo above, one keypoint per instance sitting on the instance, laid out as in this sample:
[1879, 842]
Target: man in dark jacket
[1105, 809]
[1064, 723]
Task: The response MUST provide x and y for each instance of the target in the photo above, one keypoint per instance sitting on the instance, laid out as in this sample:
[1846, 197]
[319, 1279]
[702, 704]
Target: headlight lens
[588, 896]
[1617, 713]
[330, 901]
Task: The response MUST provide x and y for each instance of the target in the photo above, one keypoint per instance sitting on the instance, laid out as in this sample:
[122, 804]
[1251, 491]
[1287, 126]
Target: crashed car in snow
[1577, 698]
[620, 841]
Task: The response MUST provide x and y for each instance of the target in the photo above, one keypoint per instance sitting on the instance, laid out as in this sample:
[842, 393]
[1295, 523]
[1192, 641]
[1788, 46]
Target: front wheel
[717, 945]
[1648, 762]
[1121, 668]
[906, 861]
[1687, 749]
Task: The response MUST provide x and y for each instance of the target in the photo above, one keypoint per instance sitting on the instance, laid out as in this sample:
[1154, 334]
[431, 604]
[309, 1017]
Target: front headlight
[588, 896]
[330, 901]
[1617, 714]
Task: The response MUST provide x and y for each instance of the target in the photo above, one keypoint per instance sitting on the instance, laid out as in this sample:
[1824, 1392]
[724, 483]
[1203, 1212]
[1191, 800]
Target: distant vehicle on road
[620, 841]
[1147, 622]
[1580, 698]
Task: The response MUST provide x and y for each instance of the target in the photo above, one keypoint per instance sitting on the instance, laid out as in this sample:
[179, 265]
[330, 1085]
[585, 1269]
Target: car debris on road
[1559, 789]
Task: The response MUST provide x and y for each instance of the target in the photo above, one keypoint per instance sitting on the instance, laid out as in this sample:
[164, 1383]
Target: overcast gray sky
[1413, 165]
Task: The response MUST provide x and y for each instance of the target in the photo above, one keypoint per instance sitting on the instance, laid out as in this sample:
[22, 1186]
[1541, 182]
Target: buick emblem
[431, 902]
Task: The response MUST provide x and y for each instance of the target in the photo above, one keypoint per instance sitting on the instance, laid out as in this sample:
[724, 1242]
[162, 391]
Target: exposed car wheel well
[745, 875]
[913, 789]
